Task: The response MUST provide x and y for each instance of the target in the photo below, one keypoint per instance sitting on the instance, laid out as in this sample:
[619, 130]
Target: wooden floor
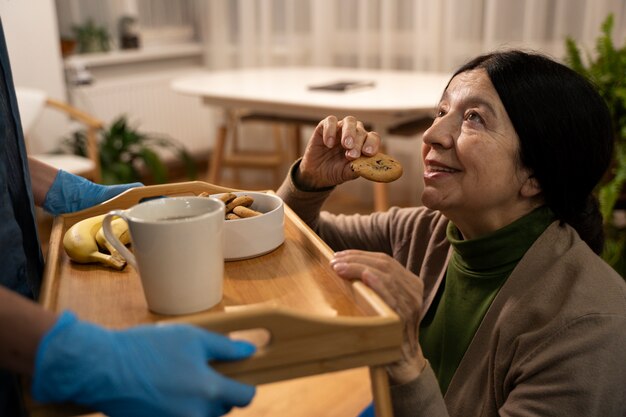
[338, 394]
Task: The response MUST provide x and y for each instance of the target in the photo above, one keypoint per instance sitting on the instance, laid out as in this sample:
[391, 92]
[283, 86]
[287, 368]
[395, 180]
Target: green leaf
[615, 250]
[118, 173]
[573, 57]
[154, 165]
[190, 165]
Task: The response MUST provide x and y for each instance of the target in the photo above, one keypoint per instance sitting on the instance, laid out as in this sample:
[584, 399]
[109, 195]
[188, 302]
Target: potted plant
[125, 153]
[607, 70]
[91, 38]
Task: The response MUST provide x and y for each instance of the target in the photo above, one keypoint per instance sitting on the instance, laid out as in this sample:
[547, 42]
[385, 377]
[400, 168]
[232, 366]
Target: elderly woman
[508, 310]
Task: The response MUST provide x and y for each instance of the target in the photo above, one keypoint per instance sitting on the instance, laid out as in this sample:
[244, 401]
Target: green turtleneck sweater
[477, 270]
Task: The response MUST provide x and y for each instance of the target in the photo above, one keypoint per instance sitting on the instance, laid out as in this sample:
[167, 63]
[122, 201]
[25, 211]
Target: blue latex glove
[69, 193]
[368, 411]
[144, 371]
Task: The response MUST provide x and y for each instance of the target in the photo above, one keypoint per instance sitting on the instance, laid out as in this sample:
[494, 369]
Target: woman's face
[472, 172]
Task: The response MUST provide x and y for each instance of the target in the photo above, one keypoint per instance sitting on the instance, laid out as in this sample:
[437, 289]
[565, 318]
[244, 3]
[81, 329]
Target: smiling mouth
[432, 168]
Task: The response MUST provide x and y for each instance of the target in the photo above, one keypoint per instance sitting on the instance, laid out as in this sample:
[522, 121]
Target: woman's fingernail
[353, 153]
[368, 149]
[349, 142]
[339, 267]
[330, 141]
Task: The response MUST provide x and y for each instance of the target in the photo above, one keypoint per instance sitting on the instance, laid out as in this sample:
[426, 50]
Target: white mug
[178, 246]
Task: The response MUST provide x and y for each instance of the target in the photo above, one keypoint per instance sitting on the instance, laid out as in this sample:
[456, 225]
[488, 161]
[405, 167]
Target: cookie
[232, 216]
[379, 168]
[244, 212]
[237, 207]
[242, 200]
[227, 197]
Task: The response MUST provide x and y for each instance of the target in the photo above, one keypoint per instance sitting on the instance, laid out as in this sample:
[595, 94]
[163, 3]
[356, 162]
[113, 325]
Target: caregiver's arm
[22, 325]
[42, 176]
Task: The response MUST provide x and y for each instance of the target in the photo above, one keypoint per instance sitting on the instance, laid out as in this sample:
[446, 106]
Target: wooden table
[317, 322]
[394, 97]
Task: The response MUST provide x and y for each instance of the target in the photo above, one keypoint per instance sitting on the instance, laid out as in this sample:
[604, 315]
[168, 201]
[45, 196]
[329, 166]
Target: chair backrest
[32, 102]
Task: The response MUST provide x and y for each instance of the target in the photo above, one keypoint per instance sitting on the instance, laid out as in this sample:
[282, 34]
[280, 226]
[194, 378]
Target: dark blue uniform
[21, 261]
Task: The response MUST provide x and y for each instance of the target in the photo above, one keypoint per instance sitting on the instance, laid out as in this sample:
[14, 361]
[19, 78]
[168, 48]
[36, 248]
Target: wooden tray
[317, 322]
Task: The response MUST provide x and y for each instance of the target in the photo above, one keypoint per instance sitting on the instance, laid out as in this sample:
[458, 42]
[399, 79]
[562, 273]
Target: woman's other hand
[332, 146]
[402, 290]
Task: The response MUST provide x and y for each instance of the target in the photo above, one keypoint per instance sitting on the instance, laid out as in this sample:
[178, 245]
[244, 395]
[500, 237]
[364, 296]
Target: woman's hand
[333, 145]
[402, 290]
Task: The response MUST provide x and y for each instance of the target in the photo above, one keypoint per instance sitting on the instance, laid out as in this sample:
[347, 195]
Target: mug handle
[113, 240]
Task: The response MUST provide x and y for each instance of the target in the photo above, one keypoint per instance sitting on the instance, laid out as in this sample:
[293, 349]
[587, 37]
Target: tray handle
[133, 196]
[301, 343]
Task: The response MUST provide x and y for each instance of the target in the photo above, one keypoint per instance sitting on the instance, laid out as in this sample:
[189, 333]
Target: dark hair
[564, 129]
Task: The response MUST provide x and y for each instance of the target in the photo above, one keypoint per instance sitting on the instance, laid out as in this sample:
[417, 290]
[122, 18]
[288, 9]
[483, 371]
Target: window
[159, 21]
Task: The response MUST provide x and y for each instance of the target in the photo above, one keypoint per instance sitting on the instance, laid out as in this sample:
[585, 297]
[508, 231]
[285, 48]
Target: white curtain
[435, 35]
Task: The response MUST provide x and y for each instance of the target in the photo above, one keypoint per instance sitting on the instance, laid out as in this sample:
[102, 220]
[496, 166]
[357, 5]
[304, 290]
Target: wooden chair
[230, 154]
[32, 103]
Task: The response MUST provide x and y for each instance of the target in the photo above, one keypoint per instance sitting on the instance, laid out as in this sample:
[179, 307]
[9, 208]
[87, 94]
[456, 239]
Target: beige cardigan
[553, 343]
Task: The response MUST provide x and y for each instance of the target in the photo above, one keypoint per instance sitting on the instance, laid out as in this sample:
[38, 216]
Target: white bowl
[255, 236]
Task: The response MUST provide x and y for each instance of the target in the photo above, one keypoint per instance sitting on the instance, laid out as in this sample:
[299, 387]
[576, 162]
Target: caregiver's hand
[70, 193]
[331, 148]
[402, 290]
[142, 371]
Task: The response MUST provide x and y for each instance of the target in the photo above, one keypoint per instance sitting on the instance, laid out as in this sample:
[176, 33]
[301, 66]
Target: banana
[120, 230]
[81, 246]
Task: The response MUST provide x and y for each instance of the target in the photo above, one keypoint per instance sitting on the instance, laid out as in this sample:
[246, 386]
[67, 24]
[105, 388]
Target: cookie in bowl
[254, 224]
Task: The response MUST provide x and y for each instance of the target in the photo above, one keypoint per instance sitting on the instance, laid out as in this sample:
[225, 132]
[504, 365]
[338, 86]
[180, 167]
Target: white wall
[31, 33]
